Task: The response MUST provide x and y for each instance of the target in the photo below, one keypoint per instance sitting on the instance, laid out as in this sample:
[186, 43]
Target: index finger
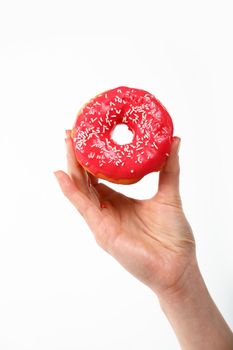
[75, 170]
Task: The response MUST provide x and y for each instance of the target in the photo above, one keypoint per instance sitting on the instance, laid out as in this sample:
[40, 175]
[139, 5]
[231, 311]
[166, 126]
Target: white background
[58, 289]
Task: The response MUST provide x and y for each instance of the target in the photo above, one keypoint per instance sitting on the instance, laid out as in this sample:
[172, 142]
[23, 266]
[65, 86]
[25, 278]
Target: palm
[147, 237]
[150, 238]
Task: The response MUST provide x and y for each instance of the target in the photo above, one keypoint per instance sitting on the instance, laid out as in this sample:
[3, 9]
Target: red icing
[145, 116]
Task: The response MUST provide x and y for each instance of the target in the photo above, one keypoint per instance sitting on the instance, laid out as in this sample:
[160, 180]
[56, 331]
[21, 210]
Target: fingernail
[68, 133]
[55, 174]
[178, 148]
[177, 140]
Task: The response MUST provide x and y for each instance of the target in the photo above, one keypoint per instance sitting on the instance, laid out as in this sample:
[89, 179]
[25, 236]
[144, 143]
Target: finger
[75, 170]
[104, 191]
[92, 180]
[78, 174]
[82, 203]
[169, 175]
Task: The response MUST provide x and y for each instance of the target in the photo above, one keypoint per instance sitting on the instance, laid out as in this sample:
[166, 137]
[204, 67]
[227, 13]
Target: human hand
[151, 238]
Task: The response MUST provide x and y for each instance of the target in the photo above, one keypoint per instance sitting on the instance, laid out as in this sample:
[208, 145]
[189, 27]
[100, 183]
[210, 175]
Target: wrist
[189, 286]
[193, 314]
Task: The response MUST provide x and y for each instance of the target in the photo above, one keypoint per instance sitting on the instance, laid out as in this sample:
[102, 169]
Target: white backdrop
[58, 289]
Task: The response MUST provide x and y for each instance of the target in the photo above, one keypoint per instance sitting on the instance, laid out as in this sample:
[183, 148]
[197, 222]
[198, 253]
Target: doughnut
[145, 117]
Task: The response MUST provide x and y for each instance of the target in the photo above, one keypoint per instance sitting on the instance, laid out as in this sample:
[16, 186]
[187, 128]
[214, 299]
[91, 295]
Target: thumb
[169, 175]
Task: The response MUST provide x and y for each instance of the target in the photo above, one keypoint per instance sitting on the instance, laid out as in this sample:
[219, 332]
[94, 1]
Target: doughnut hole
[122, 134]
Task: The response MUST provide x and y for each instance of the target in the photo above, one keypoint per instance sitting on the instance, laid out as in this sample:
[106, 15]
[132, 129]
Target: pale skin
[153, 240]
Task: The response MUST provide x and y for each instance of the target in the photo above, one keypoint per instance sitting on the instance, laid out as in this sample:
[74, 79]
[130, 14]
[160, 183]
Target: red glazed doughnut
[144, 115]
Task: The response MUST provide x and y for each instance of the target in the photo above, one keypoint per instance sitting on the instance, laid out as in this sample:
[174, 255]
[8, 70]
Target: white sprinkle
[167, 154]
[143, 116]
[106, 96]
[131, 170]
[119, 90]
[91, 155]
[118, 98]
[112, 103]
[100, 123]
[105, 127]
[86, 163]
[92, 111]
[131, 110]
[155, 146]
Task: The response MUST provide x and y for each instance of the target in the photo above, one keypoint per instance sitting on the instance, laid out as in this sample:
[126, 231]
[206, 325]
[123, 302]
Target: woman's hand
[150, 238]
[153, 240]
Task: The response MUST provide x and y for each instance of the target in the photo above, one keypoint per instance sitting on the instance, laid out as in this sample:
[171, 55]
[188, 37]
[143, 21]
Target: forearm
[194, 316]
